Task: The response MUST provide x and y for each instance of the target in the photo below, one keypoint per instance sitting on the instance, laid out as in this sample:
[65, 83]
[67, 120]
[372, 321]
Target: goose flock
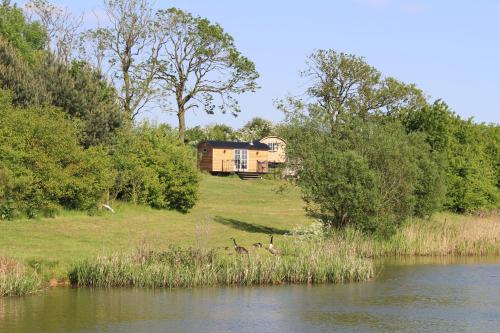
[241, 250]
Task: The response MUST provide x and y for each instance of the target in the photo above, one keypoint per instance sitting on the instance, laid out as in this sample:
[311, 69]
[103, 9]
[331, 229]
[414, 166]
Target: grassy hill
[227, 207]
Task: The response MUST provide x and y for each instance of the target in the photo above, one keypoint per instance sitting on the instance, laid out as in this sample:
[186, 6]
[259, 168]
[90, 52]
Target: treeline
[371, 151]
[255, 129]
[66, 140]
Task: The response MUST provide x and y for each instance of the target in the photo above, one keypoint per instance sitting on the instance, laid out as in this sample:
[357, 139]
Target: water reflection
[409, 296]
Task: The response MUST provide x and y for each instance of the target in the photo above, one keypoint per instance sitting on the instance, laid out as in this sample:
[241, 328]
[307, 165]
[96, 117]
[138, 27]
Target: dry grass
[15, 281]
[443, 235]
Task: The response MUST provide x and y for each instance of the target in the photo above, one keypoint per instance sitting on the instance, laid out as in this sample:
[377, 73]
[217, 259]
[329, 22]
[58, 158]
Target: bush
[43, 167]
[154, 169]
[368, 174]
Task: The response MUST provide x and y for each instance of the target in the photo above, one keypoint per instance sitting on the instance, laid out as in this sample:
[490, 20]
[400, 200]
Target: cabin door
[241, 159]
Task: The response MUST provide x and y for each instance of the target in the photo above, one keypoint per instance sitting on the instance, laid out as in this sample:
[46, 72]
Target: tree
[83, 93]
[344, 84]
[27, 37]
[131, 44]
[470, 154]
[220, 132]
[200, 66]
[61, 28]
[18, 76]
[256, 129]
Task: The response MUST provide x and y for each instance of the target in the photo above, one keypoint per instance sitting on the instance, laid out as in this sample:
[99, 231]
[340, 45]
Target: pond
[414, 295]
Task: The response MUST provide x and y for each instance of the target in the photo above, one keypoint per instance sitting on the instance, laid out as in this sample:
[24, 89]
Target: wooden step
[249, 175]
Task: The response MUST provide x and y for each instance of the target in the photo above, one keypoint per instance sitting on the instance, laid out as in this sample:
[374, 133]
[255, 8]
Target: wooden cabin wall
[205, 157]
[253, 157]
[223, 159]
[276, 156]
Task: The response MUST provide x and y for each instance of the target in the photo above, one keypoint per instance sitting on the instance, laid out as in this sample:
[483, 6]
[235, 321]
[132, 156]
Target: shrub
[369, 174]
[42, 165]
[154, 169]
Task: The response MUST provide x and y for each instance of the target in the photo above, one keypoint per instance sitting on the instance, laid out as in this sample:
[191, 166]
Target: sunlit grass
[299, 262]
[15, 280]
[442, 235]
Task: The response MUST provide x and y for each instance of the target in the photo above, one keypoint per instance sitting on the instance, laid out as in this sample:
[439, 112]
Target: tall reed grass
[300, 262]
[441, 236]
[15, 281]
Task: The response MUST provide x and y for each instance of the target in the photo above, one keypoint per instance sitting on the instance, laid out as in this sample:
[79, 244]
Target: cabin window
[273, 146]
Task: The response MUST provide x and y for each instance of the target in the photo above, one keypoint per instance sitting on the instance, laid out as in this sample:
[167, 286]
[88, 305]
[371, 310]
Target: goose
[274, 251]
[239, 249]
[256, 245]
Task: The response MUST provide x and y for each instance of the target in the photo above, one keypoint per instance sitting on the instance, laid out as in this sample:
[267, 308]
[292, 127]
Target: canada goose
[239, 249]
[271, 248]
[259, 244]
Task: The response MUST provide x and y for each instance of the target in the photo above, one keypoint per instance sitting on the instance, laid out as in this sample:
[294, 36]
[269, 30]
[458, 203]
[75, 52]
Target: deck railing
[230, 166]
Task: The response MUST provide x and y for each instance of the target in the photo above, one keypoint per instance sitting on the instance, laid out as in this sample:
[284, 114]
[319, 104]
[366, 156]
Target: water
[428, 295]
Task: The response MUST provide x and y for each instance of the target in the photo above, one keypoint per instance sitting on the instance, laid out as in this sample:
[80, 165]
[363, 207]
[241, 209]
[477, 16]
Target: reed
[178, 267]
[444, 235]
[15, 281]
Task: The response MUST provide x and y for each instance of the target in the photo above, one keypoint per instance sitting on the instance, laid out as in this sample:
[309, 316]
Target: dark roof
[255, 145]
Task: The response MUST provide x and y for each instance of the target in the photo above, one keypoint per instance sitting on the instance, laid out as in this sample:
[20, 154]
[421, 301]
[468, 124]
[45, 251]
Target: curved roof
[254, 145]
[274, 137]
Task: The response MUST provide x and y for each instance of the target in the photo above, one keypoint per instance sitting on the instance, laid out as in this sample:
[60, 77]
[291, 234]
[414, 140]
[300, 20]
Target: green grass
[228, 207]
[299, 262]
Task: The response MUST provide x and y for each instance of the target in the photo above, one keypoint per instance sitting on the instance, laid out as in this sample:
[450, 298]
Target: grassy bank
[299, 262]
[15, 280]
[442, 235]
[228, 207]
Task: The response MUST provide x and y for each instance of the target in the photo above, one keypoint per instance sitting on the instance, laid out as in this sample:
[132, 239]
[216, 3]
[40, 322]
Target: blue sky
[450, 49]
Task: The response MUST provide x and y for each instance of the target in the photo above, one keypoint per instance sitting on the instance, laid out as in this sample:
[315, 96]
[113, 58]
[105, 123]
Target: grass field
[227, 207]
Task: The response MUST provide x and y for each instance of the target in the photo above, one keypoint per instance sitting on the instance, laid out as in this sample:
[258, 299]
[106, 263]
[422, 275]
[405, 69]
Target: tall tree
[61, 27]
[200, 66]
[131, 44]
[344, 84]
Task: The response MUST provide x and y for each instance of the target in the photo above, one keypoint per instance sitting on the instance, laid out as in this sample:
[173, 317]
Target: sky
[449, 49]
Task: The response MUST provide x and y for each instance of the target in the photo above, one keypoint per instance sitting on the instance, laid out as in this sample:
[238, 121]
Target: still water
[425, 295]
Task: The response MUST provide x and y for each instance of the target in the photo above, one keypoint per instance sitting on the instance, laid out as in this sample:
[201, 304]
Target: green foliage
[256, 129]
[17, 76]
[78, 89]
[370, 175]
[201, 66]
[43, 167]
[344, 85]
[84, 93]
[470, 154]
[27, 37]
[219, 132]
[154, 170]
[339, 188]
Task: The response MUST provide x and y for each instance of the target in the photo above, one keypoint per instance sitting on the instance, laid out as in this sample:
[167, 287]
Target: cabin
[277, 148]
[232, 156]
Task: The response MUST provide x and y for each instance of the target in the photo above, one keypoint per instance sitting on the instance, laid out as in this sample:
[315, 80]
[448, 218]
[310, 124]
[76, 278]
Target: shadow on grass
[249, 227]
